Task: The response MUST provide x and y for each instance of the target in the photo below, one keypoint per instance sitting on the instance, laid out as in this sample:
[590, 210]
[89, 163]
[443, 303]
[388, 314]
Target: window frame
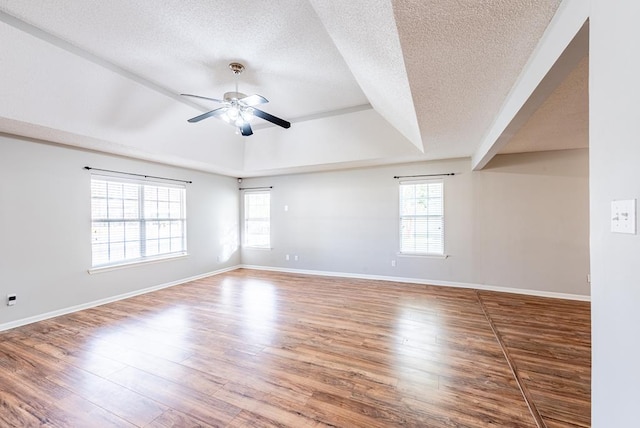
[246, 221]
[139, 222]
[402, 216]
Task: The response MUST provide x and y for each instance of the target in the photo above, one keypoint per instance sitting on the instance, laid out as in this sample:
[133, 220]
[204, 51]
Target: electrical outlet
[295, 258]
[393, 263]
[11, 299]
[286, 257]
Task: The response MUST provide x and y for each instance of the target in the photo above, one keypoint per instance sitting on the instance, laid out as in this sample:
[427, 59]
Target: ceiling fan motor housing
[229, 96]
[236, 67]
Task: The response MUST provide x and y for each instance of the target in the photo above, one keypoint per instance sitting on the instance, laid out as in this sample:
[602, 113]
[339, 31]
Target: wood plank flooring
[252, 348]
[551, 348]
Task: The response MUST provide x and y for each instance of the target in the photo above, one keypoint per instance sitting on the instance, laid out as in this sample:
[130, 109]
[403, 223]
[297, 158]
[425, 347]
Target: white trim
[83, 306]
[244, 233]
[146, 261]
[415, 216]
[423, 255]
[484, 287]
[418, 180]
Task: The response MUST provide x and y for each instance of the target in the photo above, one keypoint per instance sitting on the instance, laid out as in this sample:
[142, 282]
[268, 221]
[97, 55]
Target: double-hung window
[422, 217]
[134, 221]
[257, 219]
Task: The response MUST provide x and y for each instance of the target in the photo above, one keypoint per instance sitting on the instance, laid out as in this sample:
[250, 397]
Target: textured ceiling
[462, 58]
[562, 121]
[363, 82]
[186, 46]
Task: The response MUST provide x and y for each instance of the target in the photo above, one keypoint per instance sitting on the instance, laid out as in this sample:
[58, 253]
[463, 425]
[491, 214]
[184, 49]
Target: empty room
[318, 213]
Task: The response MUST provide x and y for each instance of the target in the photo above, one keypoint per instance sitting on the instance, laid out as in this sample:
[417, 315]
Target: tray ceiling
[363, 82]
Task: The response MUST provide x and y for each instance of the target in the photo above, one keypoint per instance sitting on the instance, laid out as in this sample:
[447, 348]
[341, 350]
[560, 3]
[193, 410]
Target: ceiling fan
[238, 109]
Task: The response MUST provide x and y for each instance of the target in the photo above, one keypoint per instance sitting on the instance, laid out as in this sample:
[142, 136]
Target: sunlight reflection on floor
[416, 350]
[259, 306]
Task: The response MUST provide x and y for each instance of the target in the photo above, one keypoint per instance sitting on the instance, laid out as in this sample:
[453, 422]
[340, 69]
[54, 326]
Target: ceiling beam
[366, 35]
[563, 45]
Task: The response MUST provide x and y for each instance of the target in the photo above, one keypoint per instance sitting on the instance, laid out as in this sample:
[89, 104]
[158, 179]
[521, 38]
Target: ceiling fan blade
[246, 129]
[275, 120]
[204, 98]
[215, 112]
[253, 100]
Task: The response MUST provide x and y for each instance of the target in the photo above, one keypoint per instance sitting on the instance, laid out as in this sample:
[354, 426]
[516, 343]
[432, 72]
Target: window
[257, 219]
[422, 217]
[136, 220]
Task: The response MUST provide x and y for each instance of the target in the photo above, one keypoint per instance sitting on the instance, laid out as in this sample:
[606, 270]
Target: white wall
[519, 224]
[45, 239]
[522, 223]
[531, 221]
[614, 174]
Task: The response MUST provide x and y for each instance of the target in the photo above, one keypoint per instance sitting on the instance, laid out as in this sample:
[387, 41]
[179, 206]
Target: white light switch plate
[623, 216]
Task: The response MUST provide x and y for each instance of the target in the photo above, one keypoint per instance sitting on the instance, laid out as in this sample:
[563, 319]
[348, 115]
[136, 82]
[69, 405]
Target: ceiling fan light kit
[238, 109]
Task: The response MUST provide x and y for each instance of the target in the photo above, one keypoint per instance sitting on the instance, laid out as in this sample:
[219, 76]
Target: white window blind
[136, 220]
[257, 219]
[422, 217]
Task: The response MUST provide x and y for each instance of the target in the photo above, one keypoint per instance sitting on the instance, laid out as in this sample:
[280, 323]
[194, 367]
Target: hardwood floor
[252, 348]
[550, 344]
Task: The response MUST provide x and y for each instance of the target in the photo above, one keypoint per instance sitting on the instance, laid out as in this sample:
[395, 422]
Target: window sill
[161, 259]
[245, 247]
[424, 255]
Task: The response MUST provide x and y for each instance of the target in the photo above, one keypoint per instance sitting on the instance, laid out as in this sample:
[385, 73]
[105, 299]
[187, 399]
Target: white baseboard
[68, 310]
[76, 308]
[485, 287]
